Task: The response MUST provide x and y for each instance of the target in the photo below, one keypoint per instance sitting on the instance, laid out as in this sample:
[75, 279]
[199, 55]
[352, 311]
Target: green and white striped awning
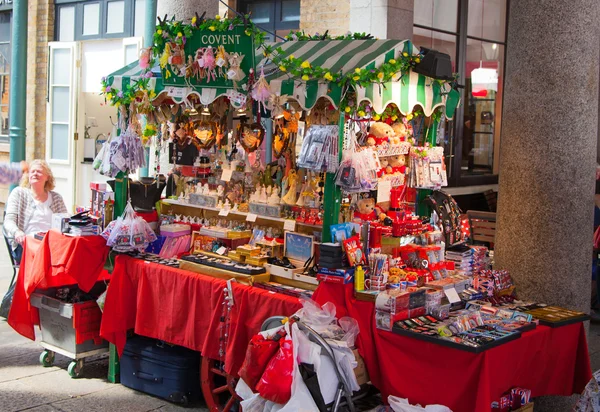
[131, 73]
[409, 92]
[343, 56]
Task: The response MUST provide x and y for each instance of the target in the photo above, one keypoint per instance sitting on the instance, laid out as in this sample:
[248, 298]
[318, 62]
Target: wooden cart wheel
[218, 387]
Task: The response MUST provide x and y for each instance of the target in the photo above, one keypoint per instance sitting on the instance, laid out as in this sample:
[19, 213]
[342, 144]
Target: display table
[57, 260]
[185, 308]
[547, 361]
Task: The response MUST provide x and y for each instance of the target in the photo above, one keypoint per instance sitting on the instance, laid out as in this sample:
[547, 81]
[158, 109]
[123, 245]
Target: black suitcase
[156, 368]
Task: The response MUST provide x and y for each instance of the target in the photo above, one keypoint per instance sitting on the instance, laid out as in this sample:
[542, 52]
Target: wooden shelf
[215, 209]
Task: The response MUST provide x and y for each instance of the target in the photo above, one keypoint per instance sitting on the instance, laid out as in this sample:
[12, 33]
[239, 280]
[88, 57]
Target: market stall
[307, 169]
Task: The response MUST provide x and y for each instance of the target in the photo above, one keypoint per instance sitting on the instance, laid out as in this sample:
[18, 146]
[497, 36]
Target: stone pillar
[185, 9]
[40, 31]
[384, 19]
[548, 152]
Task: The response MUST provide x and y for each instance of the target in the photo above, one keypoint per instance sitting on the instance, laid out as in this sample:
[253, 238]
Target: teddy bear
[380, 132]
[401, 131]
[384, 164]
[396, 164]
[368, 211]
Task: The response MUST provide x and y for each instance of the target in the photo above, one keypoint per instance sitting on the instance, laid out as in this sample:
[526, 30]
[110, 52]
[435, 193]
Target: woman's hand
[20, 237]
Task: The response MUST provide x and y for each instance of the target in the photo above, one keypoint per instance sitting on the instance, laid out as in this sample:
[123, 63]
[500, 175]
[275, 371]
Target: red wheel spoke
[229, 404]
[219, 372]
[220, 389]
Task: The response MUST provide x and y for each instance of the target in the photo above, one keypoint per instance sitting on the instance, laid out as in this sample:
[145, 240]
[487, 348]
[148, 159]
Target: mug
[375, 283]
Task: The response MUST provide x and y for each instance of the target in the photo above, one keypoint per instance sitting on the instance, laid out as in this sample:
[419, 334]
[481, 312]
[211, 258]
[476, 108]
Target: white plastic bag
[315, 315]
[301, 400]
[401, 405]
[351, 330]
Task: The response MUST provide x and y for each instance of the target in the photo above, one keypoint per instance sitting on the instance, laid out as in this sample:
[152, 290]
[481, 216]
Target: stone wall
[40, 32]
[317, 16]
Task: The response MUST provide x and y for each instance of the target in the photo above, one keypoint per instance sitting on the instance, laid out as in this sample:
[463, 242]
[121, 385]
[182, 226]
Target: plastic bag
[401, 405]
[351, 329]
[358, 170]
[258, 355]
[315, 315]
[276, 382]
[128, 232]
[7, 301]
[301, 400]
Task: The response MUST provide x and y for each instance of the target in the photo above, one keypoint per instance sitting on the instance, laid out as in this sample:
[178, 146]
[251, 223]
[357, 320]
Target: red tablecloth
[57, 260]
[547, 361]
[184, 308]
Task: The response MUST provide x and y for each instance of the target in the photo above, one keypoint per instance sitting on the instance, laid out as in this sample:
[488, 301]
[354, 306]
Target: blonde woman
[30, 207]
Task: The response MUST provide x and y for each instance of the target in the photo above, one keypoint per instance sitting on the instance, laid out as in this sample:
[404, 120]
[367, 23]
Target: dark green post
[18, 82]
[332, 199]
[149, 28]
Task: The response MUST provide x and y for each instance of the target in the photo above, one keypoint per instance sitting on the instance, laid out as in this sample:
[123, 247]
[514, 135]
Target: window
[274, 16]
[473, 33]
[5, 33]
[99, 19]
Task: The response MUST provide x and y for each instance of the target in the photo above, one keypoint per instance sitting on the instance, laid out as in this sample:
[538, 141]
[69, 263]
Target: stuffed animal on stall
[380, 132]
[384, 164]
[401, 131]
[365, 210]
[397, 165]
[368, 211]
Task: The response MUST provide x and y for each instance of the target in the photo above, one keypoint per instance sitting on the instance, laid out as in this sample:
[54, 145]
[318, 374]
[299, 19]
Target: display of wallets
[555, 316]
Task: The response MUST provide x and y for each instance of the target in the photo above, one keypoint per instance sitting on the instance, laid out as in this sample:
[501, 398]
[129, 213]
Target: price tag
[226, 175]
[452, 295]
[384, 188]
[221, 251]
[289, 224]
[224, 212]
[251, 217]
[180, 92]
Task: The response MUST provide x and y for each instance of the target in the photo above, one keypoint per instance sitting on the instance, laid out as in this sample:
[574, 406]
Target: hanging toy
[235, 73]
[209, 64]
[275, 104]
[164, 58]
[145, 58]
[221, 58]
[261, 91]
[177, 58]
[199, 71]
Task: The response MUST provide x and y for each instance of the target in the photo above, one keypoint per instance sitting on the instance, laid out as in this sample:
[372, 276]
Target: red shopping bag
[275, 385]
[260, 351]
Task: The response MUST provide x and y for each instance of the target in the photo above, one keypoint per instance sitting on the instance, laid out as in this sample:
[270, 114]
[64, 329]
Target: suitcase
[156, 368]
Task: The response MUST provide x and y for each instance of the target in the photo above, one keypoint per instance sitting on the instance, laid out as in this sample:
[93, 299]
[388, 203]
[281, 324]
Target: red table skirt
[55, 261]
[184, 308]
[548, 361]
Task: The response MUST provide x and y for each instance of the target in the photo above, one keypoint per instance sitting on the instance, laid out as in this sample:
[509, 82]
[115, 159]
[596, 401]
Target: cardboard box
[361, 373]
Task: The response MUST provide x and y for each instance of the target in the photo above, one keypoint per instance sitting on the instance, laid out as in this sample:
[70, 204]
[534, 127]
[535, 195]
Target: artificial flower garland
[392, 70]
[132, 93]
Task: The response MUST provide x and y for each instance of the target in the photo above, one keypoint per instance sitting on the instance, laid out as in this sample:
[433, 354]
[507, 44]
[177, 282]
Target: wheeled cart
[69, 329]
